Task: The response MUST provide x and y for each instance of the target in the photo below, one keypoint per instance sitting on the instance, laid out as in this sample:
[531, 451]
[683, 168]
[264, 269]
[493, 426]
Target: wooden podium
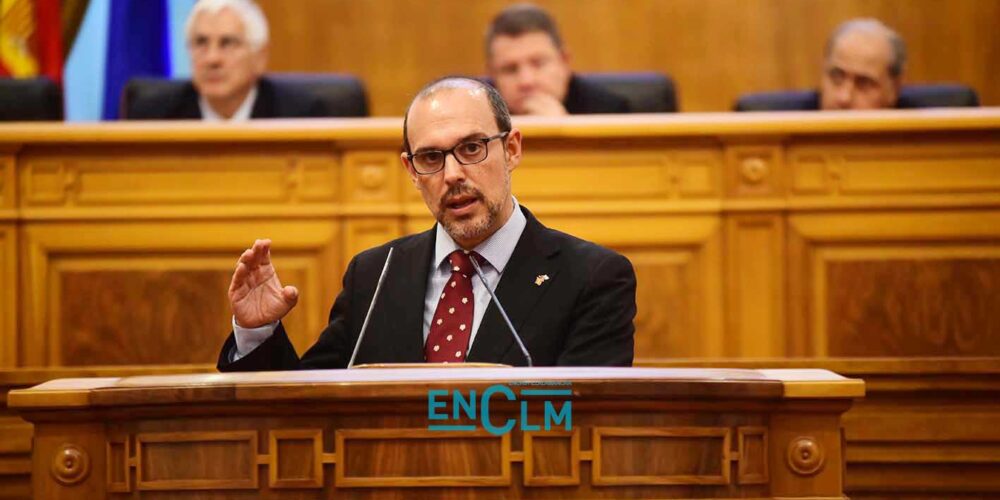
[634, 432]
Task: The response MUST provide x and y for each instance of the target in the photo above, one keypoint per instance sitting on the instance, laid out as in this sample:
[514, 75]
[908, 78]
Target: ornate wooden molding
[805, 456]
[70, 464]
[295, 458]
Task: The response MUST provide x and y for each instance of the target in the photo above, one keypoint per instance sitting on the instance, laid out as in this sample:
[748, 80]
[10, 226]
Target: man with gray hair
[863, 67]
[227, 41]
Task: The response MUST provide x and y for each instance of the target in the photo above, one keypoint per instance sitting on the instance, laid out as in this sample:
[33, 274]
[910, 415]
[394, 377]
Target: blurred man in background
[529, 65]
[227, 41]
[864, 66]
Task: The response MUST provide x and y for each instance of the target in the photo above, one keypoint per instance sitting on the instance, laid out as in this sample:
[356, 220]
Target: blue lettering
[485, 405]
[469, 405]
[565, 414]
[432, 404]
[525, 426]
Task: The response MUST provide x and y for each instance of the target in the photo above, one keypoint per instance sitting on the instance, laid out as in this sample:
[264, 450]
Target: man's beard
[472, 228]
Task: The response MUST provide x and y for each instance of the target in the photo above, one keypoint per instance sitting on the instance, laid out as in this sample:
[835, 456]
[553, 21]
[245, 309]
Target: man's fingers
[262, 251]
[240, 276]
[291, 295]
[247, 257]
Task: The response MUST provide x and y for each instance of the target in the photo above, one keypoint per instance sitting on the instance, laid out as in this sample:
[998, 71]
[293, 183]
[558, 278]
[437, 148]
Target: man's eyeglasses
[467, 153]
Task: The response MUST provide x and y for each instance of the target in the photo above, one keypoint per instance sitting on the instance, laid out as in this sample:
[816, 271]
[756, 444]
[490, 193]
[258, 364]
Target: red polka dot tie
[451, 325]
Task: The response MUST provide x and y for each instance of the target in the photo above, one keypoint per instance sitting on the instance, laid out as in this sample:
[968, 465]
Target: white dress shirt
[497, 250]
[242, 113]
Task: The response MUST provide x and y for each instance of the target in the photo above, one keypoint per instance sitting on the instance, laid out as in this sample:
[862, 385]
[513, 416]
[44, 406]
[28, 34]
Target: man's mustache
[461, 190]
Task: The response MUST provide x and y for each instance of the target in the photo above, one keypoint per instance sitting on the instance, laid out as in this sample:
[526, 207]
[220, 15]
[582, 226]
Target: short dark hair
[519, 19]
[499, 107]
[898, 63]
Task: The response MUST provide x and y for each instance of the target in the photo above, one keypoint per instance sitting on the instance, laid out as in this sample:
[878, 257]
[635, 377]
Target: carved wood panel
[119, 316]
[917, 307]
[678, 455]
[8, 295]
[137, 294]
[883, 169]
[420, 457]
[755, 285]
[678, 267]
[122, 176]
[886, 284]
[177, 461]
[8, 183]
[379, 458]
[561, 172]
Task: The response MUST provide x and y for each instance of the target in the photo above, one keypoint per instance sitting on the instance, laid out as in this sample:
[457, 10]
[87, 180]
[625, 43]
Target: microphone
[371, 307]
[513, 331]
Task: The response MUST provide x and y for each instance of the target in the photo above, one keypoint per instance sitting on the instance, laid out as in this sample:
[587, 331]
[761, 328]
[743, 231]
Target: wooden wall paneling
[193, 180]
[8, 294]
[893, 171]
[163, 287]
[755, 286]
[374, 182]
[671, 456]
[926, 440]
[172, 461]
[382, 458]
[755, 185]
[714, 51]
[8, 261]
[678, 264]
[896, 284]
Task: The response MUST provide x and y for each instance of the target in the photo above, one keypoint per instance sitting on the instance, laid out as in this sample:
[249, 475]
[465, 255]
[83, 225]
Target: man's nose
[213, 54]
[845, 94]
[454, 172]
[527, 78]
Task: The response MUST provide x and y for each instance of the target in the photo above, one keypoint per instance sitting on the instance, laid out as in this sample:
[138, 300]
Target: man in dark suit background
[530, 66]
[227, 42]
[573, 302]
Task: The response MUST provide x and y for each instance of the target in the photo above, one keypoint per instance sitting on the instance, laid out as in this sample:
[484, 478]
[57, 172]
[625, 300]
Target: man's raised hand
[256, 296]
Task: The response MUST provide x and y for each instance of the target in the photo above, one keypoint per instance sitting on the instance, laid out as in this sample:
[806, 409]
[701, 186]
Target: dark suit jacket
[273, 101]
[582, 315]
[586, 98]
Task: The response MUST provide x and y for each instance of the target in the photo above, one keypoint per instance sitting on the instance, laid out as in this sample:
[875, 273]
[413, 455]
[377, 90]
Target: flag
[138, 45]
[31, 39]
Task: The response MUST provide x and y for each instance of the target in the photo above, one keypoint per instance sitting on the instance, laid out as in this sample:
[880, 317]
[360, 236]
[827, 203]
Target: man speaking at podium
[571, 301]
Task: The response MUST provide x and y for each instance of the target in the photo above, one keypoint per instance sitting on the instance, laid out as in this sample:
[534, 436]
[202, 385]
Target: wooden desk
[752, 235]
[635, 432]
[927, 428]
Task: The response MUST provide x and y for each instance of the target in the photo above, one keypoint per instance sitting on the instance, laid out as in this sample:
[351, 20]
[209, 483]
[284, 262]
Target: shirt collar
[496, 249]
[242, 113]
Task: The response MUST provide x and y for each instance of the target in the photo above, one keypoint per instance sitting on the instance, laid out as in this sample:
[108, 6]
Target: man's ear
[512, 149]
[567, 56]
[405, 160]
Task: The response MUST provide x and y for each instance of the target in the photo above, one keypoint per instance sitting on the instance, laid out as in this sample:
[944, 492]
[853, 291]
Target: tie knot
[461, 261]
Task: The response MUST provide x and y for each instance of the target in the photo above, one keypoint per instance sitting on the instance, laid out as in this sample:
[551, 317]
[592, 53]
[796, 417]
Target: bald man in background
[863, 67]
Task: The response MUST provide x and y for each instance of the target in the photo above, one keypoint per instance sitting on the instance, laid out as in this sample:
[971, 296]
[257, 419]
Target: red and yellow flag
[31, 39]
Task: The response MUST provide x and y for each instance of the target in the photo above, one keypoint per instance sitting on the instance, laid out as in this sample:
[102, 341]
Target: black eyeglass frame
[445, 152]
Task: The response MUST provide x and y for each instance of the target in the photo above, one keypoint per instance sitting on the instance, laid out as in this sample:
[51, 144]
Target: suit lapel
[263, 106]
[535, 255]
[405, 289]
[187, 106]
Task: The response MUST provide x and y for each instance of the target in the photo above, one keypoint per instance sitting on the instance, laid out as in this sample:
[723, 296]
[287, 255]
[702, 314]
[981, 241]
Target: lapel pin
[541, 279]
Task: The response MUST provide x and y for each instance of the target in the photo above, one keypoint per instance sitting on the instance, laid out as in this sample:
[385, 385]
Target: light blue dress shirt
[496, 249]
